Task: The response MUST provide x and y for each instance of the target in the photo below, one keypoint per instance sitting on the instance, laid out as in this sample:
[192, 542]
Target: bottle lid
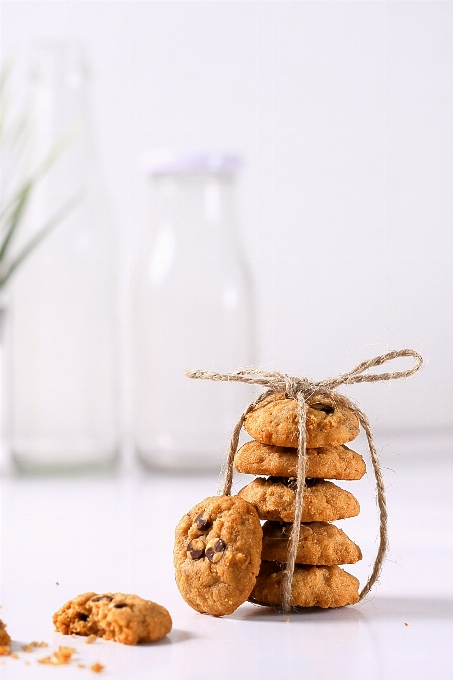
[169, 161]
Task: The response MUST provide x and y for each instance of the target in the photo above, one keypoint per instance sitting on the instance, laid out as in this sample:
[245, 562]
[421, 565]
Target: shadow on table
[377, 608]
[408, 607]
[257, 613]
[174, 637]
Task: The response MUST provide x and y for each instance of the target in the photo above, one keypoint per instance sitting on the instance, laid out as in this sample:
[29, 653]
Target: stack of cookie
[318, 580]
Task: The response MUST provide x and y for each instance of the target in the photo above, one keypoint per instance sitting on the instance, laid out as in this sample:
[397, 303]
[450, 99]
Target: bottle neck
[61, 119]
[60, 83]
[194, 202]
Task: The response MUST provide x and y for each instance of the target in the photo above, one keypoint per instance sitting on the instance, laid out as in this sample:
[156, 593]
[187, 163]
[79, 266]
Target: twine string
[302, 390]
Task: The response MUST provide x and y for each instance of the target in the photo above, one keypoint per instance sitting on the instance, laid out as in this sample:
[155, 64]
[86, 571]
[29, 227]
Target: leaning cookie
[275, 421]
[330, 462]
[217, 554]
[113, 616]
[274, 499]
[319, 543]
[311, 586]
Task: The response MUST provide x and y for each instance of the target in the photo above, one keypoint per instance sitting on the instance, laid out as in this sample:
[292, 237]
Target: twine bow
[302, 390]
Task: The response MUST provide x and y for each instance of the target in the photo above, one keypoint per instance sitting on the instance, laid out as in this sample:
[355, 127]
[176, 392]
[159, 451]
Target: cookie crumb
[56, 583]
[406, 624]
[33, 645]
[46, 659]
[287, 620]
[14, 655]
[90, 639]
[81, 665]
[97, 667]
[4, 650]
[59, 658]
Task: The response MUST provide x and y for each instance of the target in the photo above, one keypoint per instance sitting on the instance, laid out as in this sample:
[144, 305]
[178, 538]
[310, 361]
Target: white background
[343, 114]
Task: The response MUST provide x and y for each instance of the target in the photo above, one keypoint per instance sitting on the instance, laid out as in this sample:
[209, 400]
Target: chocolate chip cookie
[311, 586]
[319, 543]
[274, 499]
[275, 421]
[114, 616]
[330, 462]
[217, 554]
[5, 639]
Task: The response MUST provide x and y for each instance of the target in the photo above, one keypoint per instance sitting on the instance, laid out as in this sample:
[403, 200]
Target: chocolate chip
[214, 550]
[82, 617]
[98, 598]
[290, 482]
[196, 548]
[323, 407]
[210, 554]
[201, 522]
[120, 605]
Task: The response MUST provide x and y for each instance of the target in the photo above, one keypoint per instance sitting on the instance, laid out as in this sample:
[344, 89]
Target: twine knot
[302, 390]
[297, 386]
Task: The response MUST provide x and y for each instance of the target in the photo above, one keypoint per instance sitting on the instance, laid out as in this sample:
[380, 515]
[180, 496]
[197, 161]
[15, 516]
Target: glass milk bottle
[193, 308]
[63, 356]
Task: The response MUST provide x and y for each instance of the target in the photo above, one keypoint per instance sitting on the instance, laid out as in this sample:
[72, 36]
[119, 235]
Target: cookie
[274, 499]
[319, 543]
[311, 586]
[331, 462]
[5, 639]
[113, 616]
[217, 554]
[275, 421]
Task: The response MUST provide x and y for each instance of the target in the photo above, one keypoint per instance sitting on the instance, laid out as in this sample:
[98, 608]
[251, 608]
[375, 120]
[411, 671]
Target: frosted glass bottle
[193, 308]
[63, 382]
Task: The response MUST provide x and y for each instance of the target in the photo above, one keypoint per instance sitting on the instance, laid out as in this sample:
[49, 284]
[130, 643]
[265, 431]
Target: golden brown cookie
[330, 462]
[274, 499]
[5, 640]
[275, 421]
[319, 543]
[114, 616]
[217, 554]
[311, 586]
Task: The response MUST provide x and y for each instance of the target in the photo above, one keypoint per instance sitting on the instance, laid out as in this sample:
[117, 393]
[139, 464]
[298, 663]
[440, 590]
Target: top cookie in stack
[274, 426]
[275, 421]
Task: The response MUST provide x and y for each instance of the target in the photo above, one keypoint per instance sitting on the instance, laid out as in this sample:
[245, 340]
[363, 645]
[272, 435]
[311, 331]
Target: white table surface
[62, 537]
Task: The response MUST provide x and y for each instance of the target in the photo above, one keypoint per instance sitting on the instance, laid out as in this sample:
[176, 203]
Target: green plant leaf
[40, 235]
[13, 212]
[21, 200]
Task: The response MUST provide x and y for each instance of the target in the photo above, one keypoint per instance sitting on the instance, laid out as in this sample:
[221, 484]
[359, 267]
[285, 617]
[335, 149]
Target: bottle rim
[173, 161]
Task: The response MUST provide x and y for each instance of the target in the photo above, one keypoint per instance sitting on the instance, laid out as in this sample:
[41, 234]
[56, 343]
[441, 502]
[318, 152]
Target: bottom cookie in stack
[318, 581]
[311, 586]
